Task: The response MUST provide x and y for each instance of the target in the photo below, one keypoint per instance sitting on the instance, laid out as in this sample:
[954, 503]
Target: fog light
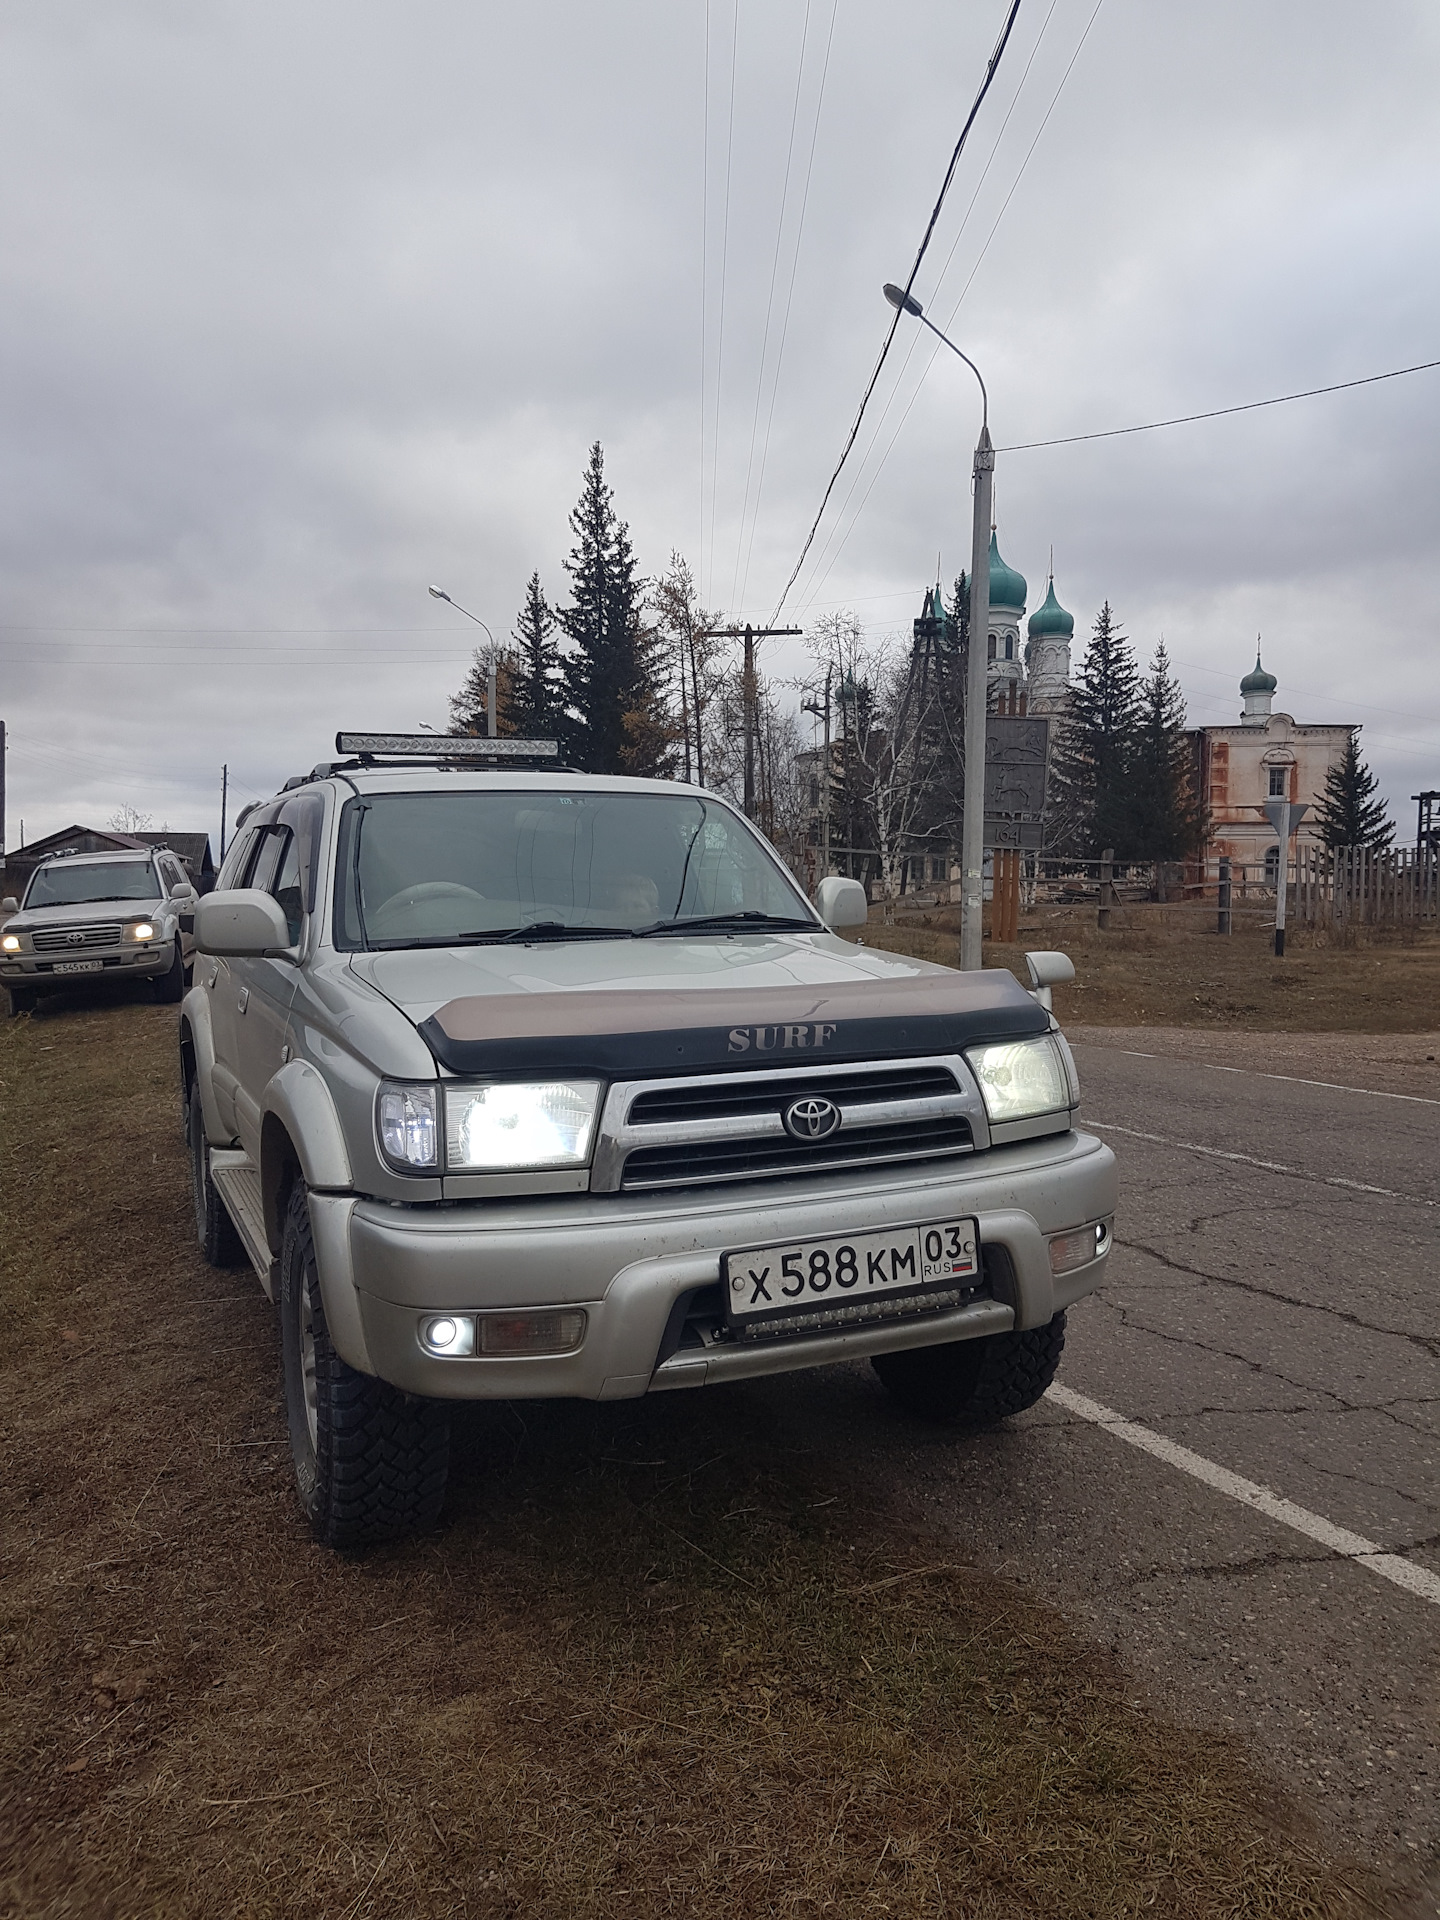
[1071, 1250]
[554, 1332]
[450, 1334]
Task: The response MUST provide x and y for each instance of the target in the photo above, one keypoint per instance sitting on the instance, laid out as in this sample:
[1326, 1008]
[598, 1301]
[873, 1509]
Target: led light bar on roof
[446, 746]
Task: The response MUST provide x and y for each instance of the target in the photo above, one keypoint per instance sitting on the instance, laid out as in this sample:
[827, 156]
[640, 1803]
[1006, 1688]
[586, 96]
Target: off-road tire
[218, 1237]
[373, 1466]
[22, 1000]
[975, 1382]
[169, 988]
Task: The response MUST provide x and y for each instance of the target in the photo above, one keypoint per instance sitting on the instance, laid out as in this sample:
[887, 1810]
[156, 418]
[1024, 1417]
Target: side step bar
[237, 1181]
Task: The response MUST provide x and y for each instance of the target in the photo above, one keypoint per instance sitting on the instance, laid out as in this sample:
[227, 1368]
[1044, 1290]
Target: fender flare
[197, 1059]
[299, 1127]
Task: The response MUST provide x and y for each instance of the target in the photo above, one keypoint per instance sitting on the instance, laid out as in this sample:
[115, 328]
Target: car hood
[681, 1005]
[81, 913]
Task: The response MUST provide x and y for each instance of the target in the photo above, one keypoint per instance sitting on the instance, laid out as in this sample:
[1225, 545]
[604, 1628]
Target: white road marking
[1253, 1073]
[1352, 1546]
[1267, 1166]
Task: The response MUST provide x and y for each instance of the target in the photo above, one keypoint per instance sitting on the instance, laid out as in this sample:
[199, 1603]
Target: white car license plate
[854, 1277]
[79, 966]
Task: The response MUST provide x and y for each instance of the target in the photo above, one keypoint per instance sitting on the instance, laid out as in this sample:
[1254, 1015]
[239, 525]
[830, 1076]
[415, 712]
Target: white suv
[111, 916]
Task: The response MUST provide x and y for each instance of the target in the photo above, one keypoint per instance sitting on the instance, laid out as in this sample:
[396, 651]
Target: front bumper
[628, 1258]
[116, 963]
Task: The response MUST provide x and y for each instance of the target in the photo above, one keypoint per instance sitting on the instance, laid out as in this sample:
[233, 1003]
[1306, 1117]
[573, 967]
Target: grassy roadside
[651, 1665]
[1163, 967]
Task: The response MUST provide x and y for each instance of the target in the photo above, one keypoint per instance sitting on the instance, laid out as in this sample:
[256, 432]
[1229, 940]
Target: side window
[237, 859]
[286, 885]
[171, 874]
[272, 846]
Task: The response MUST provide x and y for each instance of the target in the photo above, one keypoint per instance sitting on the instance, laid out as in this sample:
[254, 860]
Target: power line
[770, 298]
[934, 348]
[840, 532]
[985, 85]
[789, 295]
[1217, 413]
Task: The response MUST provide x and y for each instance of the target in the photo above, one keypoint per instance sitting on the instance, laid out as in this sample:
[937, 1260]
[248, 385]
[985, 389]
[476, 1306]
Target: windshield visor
[427, 868]
[72, 886]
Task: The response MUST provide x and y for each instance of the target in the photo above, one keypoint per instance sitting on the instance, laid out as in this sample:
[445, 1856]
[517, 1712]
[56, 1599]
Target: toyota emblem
[75, 939]
[811, 1119]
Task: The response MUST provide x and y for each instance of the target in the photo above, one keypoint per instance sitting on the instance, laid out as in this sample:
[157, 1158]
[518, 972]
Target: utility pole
[224, 797]
[749, 694]
[824, 714]
[2, 799]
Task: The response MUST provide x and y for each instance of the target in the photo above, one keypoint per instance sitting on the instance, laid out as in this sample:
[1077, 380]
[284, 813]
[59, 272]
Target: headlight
[10, 943]
[405, 1118]
[1020, 1079]
[140, 930]
[530, 1125]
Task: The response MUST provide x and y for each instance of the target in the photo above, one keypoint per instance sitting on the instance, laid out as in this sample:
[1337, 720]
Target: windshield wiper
[535, 930]
[743, 922]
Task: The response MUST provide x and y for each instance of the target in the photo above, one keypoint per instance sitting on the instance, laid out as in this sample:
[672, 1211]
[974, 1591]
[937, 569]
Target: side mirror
[9, 904]
[185, 893]
[1048, 970]
[242, 922]
[842, 903]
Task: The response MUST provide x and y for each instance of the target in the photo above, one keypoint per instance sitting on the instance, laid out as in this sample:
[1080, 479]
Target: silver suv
[515, 1083]
[113, 916]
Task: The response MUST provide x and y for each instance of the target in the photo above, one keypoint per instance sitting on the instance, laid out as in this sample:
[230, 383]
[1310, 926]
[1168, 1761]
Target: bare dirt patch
[642, 1670]
[1159, 966]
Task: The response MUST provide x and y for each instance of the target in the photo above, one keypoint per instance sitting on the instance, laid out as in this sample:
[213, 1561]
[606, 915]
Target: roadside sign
[1017, 765]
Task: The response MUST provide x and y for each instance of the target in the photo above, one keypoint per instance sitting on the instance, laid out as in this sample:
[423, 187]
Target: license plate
[852, 1278]
[79, 966]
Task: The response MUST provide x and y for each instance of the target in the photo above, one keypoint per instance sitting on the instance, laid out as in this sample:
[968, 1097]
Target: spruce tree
[1349, 813]
[616, 720]
[1095, 753]
[536, 705]
[1167, 821]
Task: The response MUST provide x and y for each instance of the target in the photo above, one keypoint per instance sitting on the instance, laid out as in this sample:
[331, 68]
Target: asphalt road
[1282, 1325]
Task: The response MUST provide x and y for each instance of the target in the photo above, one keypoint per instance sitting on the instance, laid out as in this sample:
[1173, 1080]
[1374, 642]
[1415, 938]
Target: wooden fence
[1356, 886]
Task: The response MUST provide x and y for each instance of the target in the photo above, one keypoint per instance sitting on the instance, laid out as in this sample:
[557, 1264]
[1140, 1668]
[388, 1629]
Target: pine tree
[1094, 756]
[616, 717]
[1167, 821]
[536, 705]
[1348, 814]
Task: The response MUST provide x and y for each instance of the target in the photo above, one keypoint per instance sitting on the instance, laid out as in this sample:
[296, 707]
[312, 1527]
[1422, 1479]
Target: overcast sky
[303, 307]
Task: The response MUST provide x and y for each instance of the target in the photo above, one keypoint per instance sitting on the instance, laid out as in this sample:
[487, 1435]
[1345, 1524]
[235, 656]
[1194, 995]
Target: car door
[217, 976]
[283, 867]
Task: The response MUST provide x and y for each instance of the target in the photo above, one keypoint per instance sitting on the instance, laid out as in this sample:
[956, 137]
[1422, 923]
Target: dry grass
[1159, 966]
[642, 1671]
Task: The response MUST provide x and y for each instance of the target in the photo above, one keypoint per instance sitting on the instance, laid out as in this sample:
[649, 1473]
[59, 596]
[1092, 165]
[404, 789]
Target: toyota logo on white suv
[811, 1119]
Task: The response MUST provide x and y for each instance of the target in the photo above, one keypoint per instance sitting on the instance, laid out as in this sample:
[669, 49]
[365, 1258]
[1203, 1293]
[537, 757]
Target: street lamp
[972, 832]
[439, 593]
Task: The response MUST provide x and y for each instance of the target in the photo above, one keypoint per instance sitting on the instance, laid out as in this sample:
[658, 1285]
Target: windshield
[441, 867]
[106, 880]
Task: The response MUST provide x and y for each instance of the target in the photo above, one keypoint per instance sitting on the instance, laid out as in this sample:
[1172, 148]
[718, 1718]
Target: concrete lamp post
[972, 833]
[439, 593]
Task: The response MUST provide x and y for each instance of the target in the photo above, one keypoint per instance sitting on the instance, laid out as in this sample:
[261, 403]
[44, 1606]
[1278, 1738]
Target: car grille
[701, 1132]
[63, 940]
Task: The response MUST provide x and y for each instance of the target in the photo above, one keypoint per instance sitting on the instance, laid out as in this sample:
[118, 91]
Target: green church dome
[1051, 620]
[1007, 587]
[1259, 681]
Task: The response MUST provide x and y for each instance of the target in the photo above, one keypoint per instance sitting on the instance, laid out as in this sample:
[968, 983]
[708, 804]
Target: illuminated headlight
[1021, 1079]
[405, 1121]
[527, 1125]
[10, 943]
[140, 930]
